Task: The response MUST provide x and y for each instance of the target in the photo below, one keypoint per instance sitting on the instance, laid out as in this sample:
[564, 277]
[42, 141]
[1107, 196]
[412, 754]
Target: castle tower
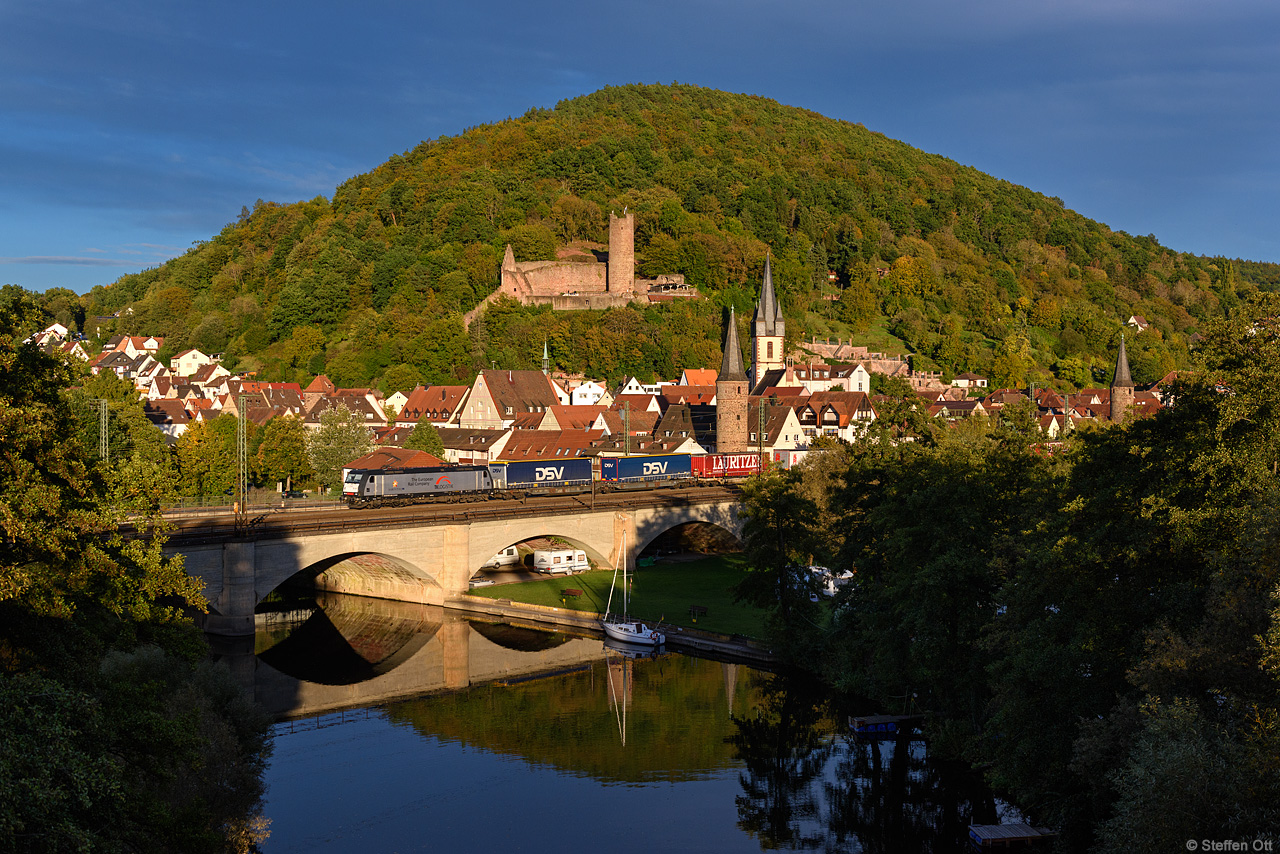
[731, 396]
[769, 330]
[621, 276]
[1121, 387]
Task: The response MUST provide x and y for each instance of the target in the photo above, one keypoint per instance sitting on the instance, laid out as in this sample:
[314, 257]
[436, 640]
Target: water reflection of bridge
[358, 651]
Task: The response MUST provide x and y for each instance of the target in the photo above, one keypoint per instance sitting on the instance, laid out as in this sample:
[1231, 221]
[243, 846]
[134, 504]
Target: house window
[768, 349]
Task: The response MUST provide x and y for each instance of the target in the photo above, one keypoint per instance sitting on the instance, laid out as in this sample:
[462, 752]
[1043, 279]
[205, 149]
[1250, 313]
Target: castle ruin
[570, 285]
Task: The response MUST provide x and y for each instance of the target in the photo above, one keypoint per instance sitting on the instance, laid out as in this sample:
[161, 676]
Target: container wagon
[542, 476]
[726, 465]
[660, 469]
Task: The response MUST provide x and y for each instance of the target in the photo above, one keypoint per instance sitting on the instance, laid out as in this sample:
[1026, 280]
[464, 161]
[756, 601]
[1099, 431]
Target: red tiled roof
[395, 458]
[548, 444]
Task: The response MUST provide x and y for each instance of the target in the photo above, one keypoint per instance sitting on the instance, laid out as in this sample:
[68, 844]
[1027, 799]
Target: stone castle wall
[553, 279]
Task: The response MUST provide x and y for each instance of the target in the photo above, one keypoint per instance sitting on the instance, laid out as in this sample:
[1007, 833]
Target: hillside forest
[870, 238]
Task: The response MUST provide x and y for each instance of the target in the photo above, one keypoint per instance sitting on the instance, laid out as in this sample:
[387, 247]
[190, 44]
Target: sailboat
[621, 627]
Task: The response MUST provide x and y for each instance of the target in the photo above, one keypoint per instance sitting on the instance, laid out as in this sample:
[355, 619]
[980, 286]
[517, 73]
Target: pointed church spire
[731, 367]
[546, 359]
[1122, 379]
[768, 319]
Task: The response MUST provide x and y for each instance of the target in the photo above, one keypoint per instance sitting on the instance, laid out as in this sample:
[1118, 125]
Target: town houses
[776, 407]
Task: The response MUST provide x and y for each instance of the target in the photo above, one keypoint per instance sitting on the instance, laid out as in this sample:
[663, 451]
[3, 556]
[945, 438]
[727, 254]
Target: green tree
[857, 306]
[282, 452]
[780, 544]
[140, 472]
[107, 743]
[61, 545]
[207, 463]
[425, 437]
[342, 437]
[402, 377]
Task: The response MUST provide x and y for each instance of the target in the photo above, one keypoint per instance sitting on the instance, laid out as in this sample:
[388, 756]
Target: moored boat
[632, 631]
[621, 627]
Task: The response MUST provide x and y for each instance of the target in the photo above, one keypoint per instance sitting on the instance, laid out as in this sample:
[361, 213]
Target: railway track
[279, 522]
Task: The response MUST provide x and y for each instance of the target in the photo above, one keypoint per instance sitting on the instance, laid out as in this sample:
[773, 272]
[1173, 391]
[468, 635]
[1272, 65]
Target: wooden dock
[1008, 837]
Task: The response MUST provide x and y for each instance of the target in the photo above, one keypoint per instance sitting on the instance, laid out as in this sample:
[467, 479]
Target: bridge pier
[238, 595]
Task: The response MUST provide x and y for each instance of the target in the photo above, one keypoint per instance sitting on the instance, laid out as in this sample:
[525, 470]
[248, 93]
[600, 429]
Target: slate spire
[1122, 379]
[731, 367]
[768, 320]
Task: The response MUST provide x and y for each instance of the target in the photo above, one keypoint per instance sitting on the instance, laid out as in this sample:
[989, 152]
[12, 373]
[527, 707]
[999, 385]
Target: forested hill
[965, 270]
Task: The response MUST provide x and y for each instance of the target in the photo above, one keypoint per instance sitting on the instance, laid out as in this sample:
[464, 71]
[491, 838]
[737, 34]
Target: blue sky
[131, 129]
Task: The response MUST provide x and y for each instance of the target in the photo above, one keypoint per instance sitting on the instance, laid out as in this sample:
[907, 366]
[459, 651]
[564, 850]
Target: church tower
[769, 330]
[1121, 387]
[731, 396]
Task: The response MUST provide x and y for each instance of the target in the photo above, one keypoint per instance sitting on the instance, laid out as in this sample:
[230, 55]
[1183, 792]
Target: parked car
[480, 581]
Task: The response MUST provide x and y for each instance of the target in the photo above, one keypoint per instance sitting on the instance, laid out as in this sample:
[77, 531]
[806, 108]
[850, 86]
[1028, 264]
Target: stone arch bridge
[427, 556]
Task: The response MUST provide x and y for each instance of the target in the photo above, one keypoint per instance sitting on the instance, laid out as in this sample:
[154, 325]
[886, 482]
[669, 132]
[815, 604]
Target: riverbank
[693, 592]
[729, 648]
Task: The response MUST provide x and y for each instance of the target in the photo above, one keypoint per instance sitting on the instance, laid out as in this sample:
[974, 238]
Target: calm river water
[412, 729]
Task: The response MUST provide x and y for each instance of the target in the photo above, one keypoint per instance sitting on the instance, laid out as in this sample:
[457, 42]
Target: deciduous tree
[342, 437]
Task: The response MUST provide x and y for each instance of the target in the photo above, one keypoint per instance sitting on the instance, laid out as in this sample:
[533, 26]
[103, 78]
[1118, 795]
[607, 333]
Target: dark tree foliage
[1099, 626]
[112, 736]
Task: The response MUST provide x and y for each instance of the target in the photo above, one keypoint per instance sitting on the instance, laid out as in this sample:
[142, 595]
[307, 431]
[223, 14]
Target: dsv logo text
[548, 473]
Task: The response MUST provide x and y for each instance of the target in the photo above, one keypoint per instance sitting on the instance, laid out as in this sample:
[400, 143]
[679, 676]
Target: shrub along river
[409, 728]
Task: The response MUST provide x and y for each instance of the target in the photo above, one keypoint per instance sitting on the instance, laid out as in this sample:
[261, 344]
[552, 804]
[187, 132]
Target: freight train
[382, 487]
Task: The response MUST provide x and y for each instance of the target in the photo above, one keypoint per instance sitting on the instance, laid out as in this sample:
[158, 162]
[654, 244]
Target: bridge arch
[381, 576]
[487, 541]
[651, 525]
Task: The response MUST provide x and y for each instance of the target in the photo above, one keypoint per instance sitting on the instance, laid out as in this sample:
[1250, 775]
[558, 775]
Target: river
[414, 729]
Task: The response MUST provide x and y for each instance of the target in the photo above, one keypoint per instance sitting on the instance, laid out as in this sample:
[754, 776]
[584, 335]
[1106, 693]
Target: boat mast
[614, 583]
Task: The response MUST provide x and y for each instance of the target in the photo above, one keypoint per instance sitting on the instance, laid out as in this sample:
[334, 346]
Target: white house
[634, 386]
[969, 380]
[395, 401]
[589, 393]
[56, 333]
[187, 362]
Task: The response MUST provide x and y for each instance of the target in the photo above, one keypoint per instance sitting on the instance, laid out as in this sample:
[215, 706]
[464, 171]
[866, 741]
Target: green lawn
[664, 591]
